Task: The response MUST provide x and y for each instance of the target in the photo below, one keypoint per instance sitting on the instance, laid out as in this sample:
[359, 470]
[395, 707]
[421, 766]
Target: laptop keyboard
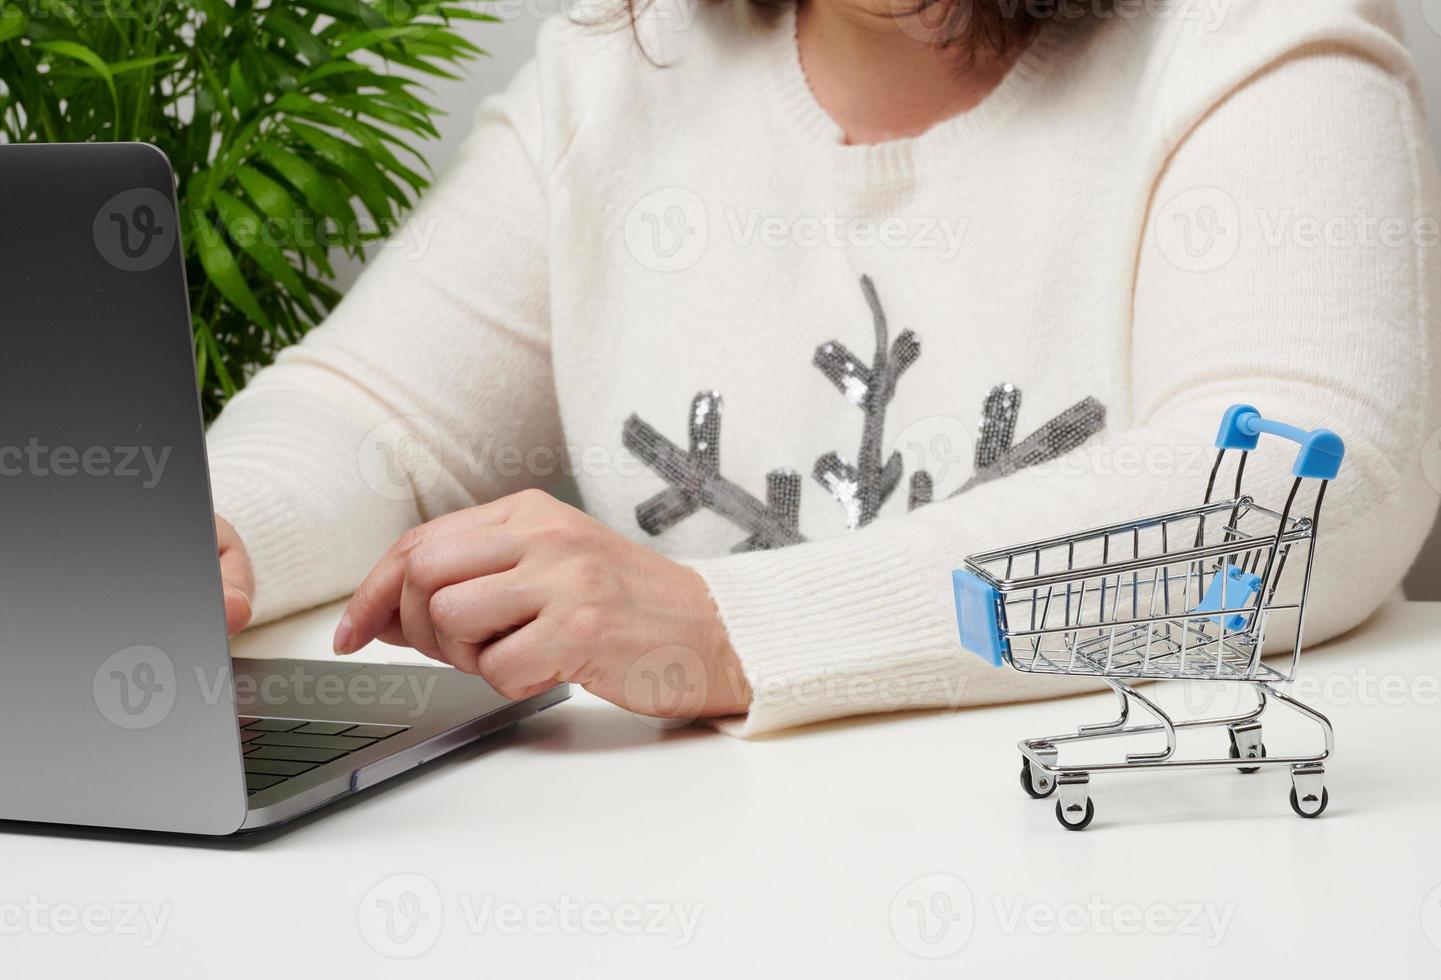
[277, 749]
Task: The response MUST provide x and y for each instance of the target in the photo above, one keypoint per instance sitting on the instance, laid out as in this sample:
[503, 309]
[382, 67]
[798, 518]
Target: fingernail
[249, 613]
[343, 634]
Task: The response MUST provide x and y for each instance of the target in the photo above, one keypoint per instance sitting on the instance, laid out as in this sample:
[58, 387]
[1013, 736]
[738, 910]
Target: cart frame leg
[1042, 753]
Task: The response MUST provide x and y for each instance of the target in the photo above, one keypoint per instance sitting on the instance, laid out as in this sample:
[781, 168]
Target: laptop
[120, 705]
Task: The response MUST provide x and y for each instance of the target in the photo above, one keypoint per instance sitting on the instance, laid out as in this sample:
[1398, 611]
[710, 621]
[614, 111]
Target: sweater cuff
[274, 536]
[851, 625]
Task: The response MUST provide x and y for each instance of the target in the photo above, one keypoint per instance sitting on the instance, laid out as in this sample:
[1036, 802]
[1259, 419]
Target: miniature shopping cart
[1193, 595]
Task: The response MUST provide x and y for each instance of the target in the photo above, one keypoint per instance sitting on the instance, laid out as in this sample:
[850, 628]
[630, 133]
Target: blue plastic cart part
[1321, 449]
[1230, 588]
[977, 611]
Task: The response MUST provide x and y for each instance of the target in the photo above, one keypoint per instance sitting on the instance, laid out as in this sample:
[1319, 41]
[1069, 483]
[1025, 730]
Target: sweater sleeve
[427, 390]
[1289, 259]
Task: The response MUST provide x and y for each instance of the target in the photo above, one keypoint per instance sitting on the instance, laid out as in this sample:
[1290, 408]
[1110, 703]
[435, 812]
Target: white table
[591, 843]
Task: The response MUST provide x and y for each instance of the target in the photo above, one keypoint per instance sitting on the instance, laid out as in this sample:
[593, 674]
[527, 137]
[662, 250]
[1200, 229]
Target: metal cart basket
[1191, 595]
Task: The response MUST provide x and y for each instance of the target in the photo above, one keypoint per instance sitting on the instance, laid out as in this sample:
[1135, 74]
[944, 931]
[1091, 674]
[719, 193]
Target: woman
[851, 226]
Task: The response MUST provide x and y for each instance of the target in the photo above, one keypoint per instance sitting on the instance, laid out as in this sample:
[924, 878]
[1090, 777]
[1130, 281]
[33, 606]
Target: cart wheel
[1047, 782]
[1319, 809]
[1236, 754]
[1081, 824]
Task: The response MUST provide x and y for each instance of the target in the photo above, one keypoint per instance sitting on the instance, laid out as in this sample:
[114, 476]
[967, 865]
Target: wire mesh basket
[1191, 595]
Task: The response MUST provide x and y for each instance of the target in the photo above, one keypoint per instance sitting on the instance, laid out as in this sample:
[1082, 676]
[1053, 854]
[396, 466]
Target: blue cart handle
[1321, 449]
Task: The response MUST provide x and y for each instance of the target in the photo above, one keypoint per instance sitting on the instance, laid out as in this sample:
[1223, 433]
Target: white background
[511, 44]
[887, 847]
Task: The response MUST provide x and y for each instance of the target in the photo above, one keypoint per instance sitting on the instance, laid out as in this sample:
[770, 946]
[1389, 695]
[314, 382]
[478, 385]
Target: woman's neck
[880, 76]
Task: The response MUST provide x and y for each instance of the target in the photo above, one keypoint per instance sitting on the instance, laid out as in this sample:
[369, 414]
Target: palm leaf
[286, 114]
[223, 271]
[13, 22]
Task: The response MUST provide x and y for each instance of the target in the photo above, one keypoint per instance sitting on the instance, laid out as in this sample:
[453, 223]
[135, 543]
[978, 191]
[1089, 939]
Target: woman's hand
[236, 575]
[528, 592]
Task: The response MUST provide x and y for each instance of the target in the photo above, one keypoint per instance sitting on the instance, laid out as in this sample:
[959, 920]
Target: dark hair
[970, 27]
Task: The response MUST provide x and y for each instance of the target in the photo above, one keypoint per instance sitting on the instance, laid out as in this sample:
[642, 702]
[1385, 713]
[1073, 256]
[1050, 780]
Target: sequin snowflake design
[998, 454]
[696, 482]
[862, 487]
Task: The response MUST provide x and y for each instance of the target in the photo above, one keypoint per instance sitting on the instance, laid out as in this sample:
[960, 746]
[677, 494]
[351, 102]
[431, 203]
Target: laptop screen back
[115, 689]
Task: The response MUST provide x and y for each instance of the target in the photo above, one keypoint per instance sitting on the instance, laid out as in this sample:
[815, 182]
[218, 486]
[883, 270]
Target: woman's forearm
[408, 402]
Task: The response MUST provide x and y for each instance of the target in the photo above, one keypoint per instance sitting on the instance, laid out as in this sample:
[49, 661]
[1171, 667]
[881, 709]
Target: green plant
[292, 126]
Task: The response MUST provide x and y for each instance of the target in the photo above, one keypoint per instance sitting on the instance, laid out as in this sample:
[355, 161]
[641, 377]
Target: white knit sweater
[1164, 213]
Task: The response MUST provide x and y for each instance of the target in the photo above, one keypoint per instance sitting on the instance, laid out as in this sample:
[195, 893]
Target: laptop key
[256, 782]
[292, 753]
[342, 743]
[247, 720]
[324, 727]
[247, 735]
[274, 725]
[277, 767]
[374, 731]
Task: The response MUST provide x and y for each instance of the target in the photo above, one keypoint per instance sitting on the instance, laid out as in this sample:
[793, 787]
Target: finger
[473, 613]
[379, 594]
[394, 634]
[225, 533]
[391, 632]
[237, 610]
[527, 692]
[524, 663]
[235, 572]
[235, 568]
[447, 561]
